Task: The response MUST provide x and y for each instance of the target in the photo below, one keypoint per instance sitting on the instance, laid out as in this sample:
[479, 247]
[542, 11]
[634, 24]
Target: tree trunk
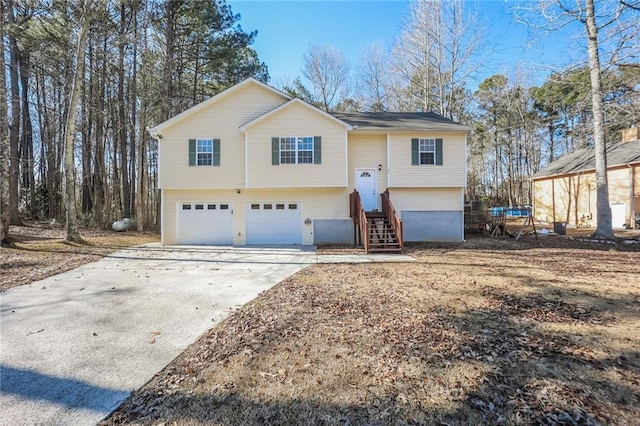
[26, 137]
[73, 235]
[88, 119]
[122, 123]
[4, 142]
[14, 130]
[604, 228]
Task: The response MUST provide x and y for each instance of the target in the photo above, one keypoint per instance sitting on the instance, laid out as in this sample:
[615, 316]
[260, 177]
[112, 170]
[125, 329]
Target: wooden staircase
[378, 232]
[382, 236]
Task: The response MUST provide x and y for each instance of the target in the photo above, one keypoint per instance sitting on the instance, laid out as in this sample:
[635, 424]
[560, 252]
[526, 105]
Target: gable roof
[399, 121]
[584, 159]
[287, 105]
[156, 130]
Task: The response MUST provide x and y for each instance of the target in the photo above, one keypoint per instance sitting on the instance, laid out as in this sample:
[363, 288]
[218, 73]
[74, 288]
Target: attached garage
[274, 223]
[204, 223]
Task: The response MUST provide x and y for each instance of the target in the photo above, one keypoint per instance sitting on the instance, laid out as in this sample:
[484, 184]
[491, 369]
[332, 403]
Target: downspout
[466, 136]
[388, 159]
[632, 195]
[346, 159]
[553, 200]
[246, 159]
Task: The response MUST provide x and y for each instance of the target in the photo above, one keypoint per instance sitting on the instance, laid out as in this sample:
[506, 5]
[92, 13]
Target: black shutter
[415, 155]
[192, 152]
[438, 152]
[317, 150]
[216, 152]
[275, 151]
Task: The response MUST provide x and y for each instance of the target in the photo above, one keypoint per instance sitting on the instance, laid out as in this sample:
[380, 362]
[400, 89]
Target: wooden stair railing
[359, 220]
[390, 213]
[377, 231]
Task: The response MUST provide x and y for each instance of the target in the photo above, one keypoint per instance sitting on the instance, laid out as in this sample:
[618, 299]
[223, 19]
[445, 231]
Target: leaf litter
[462, 336]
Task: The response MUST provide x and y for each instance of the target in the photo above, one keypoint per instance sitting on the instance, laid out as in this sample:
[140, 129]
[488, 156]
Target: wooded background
[143, 61]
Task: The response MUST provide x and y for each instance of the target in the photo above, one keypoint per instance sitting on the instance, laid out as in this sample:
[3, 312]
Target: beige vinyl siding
[316, 203]
[552, 201]
[220, 120]
[296, 120]
[542, 204]
[403, 174]
[569, 198]
[368, 151]
[427, 199]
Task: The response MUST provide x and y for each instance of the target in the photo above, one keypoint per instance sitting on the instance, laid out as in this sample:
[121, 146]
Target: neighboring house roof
[157, 130]
[583, 160]
[399, 121]
[287, 105]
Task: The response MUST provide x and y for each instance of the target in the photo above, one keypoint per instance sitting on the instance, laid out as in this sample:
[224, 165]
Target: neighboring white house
[251, 165]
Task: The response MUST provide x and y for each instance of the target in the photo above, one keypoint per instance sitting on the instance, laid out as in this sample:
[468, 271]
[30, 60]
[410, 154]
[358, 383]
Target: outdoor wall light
[307, 221]
[379, 167]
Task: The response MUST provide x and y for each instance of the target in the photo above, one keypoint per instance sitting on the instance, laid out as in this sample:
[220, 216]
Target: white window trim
[198, 152]
[296, 150]
[421, 151]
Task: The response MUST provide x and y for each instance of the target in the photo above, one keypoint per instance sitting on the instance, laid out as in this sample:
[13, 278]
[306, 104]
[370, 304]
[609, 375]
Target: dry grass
[469, 334]
[39, 251]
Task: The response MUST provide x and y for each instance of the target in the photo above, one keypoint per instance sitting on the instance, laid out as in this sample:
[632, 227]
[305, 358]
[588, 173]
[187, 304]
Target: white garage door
[274, 223]
[204, 223]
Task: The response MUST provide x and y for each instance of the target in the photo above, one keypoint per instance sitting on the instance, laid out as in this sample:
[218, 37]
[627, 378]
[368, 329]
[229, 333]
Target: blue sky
[287, 28]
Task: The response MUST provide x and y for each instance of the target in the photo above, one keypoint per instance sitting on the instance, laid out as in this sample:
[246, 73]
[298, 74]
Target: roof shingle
[399, 121]
[584, 159]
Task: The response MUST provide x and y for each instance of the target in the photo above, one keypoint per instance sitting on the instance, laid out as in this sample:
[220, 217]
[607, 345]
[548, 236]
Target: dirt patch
[40, 251]
[468, 334]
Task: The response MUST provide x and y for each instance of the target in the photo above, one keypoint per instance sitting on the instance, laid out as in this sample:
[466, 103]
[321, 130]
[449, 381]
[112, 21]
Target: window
[296, 150]
[204, 152]
[426, 151]
[199, 207]
[186, 207]
[211, 206]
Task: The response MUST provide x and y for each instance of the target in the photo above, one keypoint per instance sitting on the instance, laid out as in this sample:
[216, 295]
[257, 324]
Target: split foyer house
[252, 165]
[565, 190]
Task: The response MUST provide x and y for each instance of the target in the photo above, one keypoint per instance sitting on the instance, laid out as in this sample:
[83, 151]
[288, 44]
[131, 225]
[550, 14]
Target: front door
[366, 186]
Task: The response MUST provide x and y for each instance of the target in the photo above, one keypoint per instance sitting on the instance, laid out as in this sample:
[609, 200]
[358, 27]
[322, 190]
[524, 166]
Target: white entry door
[618, 215]
[366, 186]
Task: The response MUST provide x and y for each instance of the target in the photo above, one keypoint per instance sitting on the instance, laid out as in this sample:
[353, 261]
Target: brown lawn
[40, 251]
[493, 331]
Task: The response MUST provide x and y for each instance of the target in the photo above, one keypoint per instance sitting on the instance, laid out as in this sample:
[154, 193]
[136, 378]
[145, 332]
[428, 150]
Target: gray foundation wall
[432, 226]
[333, 231]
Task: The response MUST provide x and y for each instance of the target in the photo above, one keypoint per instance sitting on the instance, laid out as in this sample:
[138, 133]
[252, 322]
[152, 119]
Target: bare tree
[372, 71]
[436, 53]
[4, 141]
[327, 71]
[604, 228]
[609, 30]
[73, 235]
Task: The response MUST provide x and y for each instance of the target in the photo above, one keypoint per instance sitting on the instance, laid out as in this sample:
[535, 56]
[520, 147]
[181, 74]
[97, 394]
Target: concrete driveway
[74, 346]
